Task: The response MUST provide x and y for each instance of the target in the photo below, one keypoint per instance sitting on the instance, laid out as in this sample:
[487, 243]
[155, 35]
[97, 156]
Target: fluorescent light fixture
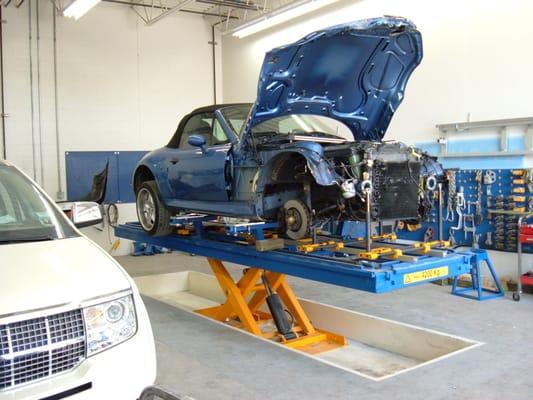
[78, 8]
[279, 16]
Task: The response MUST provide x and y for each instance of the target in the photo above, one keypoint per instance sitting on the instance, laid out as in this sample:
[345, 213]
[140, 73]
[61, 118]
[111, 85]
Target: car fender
[154, 162]
[321, 170]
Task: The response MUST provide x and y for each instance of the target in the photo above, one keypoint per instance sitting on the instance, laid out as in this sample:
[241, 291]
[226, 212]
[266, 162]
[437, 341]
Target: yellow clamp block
[380, 251]
[368, 255]
[519, 190]
[306, 248]
[518, 172]
[519, 199]
[390, 236]
[396, 253]
[519, 182]
[519, 209]
[425, 247]
[309, 248]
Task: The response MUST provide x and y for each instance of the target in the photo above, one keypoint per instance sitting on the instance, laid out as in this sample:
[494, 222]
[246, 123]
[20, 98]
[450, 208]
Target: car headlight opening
[109, 323]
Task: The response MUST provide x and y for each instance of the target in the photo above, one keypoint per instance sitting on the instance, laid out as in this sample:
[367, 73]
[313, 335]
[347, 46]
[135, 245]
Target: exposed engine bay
[399, 180]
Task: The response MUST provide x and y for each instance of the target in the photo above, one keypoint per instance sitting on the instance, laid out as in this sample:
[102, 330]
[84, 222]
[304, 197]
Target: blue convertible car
[310, 149]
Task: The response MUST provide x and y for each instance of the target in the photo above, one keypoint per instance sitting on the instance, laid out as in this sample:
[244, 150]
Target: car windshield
[305, 124]
[236, 116]
[26, 215]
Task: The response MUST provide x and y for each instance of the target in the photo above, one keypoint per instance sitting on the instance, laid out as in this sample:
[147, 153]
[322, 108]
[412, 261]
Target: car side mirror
[82, 213]
[197, 141]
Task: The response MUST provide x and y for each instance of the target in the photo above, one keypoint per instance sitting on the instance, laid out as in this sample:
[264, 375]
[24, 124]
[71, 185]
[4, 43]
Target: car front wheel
[152, 213]
[296, 219]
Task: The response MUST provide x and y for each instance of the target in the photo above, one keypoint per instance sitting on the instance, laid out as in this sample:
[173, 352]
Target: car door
[195, 174]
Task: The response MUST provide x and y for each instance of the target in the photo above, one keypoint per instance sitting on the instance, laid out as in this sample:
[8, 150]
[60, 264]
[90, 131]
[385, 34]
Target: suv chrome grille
[40, 347]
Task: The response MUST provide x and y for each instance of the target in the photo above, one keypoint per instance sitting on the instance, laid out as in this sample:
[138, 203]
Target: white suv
[72, 322]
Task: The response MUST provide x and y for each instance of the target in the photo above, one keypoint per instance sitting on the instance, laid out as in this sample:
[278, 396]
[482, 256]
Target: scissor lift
[388, 265]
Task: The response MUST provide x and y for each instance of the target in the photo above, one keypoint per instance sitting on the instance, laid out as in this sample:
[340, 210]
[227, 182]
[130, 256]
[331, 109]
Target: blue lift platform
[330, 259]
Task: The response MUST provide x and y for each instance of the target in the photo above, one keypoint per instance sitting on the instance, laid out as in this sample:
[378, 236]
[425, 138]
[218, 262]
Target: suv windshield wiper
[27, 240]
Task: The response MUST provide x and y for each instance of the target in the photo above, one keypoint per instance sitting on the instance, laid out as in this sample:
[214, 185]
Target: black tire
[296, 219]
[154, 220]
[516, 296]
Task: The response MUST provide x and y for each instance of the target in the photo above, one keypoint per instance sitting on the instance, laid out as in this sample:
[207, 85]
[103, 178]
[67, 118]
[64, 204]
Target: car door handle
[174, 161]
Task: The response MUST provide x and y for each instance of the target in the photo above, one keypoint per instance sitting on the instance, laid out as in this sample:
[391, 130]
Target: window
[219, 136]
[302, 124]
[25, 214]
[236, 116]
[206, 125]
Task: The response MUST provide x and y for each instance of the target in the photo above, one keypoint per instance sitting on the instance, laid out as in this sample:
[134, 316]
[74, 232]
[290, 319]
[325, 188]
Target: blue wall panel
[81, 166]
[127, 160]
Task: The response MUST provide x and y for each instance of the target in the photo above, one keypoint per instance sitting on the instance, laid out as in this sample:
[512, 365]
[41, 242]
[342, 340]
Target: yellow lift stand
[245, 298]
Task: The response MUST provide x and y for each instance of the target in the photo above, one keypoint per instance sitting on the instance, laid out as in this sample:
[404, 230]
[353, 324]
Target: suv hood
[355, 73]
[38, 275]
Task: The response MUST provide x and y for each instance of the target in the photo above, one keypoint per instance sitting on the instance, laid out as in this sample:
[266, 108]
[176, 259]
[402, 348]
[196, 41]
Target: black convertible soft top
[205, 109]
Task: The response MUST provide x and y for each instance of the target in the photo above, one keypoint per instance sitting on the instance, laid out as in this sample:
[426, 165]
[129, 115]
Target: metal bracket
[502, 125]
[476, 290]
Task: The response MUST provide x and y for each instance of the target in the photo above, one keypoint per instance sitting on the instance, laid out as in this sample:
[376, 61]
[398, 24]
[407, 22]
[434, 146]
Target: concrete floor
[208, 361]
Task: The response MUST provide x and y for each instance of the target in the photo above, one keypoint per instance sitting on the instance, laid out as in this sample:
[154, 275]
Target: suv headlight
[109, 323]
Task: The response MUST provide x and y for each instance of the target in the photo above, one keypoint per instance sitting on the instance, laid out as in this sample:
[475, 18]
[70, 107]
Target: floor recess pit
[377, 348]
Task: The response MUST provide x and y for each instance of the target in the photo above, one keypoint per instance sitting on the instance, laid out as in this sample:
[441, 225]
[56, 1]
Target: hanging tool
[277, 311]
[440, 201]
[451, 238]
[475, 241]
[479, 215]
[469, 218]
[489, 178]
[488, 240]
[451, 195]
[429, 234]
[459, 205]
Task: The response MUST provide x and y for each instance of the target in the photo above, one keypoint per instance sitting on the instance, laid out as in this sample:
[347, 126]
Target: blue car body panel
[355, 73]
[195, 175]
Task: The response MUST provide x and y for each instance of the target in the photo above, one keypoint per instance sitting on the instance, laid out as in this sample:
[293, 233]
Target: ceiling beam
[170, 11]
[232, 4]
[134, 4]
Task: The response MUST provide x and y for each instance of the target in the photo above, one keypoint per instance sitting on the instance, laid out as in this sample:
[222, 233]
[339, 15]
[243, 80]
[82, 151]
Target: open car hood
[355, 73]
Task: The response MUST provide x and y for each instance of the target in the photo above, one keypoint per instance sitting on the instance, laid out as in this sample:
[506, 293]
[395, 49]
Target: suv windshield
[305, 124]
[26, 215]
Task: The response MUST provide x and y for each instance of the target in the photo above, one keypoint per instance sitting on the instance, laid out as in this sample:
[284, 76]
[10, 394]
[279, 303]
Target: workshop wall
[121, 85]
[475, 64]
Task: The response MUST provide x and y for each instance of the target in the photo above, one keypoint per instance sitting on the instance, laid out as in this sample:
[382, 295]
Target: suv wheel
[152, 213]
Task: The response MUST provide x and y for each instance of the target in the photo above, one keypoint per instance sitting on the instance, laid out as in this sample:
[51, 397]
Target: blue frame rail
[335, 268]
